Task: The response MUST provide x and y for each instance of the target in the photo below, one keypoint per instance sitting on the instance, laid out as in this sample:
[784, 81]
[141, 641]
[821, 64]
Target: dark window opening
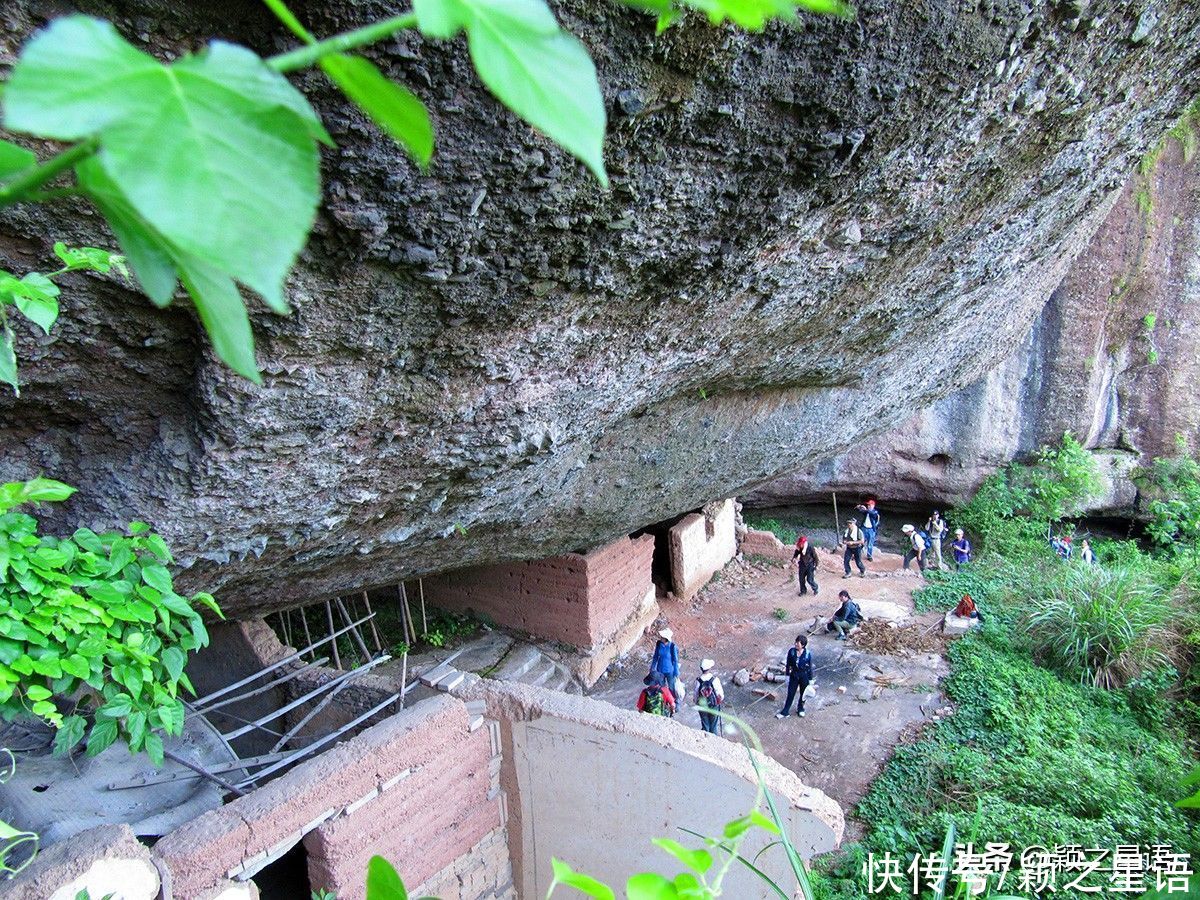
[286, 878]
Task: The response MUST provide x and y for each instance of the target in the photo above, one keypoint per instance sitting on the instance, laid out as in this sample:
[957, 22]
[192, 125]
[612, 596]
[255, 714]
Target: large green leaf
[539, 71]
[215, 152]
[223, 313]
[14, 159]
[35, 295]
[8, 360]
[383, 883]
[393, 107]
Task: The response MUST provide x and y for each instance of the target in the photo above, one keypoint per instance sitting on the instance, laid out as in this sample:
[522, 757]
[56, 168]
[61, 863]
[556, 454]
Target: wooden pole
[354, 632]
[374, 630]
[408, 612]
[337, 659]
[403, 617]
[403, 676]
[424, 620]
[837, 523]
[307, 633]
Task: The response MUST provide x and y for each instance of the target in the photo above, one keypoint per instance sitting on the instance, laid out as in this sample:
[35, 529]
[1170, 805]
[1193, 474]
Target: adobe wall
[592, 784]
[103, 860]
[764, 543]
[598, 602]
[420, 788]
[701, 545]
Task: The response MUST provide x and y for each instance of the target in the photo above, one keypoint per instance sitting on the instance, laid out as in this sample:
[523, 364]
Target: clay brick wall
[764, 543]
[418, 788]
[701, 545]
[580, 600]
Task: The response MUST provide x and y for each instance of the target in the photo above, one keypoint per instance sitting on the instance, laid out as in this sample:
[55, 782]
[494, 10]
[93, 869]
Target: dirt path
[853, 722]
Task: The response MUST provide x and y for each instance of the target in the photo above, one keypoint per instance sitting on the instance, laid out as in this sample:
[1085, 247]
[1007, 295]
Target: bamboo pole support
[374, 630]
[424, 620]
[337, 659]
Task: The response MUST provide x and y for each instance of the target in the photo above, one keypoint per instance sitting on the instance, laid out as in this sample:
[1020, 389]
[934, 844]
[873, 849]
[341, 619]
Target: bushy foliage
[91, 629]
[1172, 487]
[1101, 624]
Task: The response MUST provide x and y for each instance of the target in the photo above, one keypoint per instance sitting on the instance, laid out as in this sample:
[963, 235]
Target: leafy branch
[207, 168]
[35, 296]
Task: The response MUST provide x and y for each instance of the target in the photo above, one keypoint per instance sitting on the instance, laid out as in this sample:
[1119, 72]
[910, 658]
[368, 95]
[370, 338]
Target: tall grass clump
[1104, 625]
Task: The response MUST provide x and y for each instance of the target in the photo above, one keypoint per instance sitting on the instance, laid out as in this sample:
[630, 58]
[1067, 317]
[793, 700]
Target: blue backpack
[926, 538]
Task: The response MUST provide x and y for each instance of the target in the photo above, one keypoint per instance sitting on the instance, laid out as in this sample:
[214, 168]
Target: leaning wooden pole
[337, 659]
[404, 625]
[374, 630]
[837, 522]
[408, 612]
[403, 676]
[424, 620]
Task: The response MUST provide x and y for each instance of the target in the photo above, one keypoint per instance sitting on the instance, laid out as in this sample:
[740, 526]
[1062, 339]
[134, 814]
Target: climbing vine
[93, 637]
[207, 168]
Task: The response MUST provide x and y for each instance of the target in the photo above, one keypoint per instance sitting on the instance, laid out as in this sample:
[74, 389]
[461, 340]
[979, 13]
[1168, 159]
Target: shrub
[1172, 487]
[1101, 624]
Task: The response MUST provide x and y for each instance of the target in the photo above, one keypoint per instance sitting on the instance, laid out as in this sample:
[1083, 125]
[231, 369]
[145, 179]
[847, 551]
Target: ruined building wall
[579, 599]
[701, 544]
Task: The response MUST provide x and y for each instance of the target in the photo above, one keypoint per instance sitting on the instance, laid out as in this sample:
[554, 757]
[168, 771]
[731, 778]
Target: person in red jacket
[805, 559]
[656, 697]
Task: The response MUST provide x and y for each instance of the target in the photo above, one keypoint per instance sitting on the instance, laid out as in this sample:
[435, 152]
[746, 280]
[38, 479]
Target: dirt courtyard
[853, 721]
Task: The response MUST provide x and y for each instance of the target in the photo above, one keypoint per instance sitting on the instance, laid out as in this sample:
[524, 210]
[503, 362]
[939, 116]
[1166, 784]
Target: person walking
[710, 697]
[848, 615]
[916, 548]
[656, 697]
[936, 528]
[854, 542]
[799, 670]
[870, 526]
[1086, 553]
[961, 548]
[666, 659]
[805, 558]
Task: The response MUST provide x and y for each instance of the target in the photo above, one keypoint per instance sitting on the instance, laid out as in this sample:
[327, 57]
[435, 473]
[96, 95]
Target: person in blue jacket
[666, 658]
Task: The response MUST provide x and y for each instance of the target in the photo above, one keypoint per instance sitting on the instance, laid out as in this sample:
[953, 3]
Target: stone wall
[579, 599]
[101, 860]
[419, 788]
[701, 544]
[593, 784]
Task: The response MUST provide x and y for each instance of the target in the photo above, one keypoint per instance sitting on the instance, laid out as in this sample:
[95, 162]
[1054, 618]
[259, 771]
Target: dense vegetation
[1075, 703]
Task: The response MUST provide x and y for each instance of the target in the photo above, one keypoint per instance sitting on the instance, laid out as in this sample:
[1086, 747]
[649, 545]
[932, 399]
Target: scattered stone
[631, 102]
[956, 625]
[1145, 24]
[741, 677]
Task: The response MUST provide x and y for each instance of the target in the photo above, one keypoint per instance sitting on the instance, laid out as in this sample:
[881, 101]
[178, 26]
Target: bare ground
[854, 721]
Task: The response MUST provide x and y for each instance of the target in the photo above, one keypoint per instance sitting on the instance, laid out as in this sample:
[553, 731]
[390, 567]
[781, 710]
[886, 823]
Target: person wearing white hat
[916, 548]
[666, 659]
[710, 697]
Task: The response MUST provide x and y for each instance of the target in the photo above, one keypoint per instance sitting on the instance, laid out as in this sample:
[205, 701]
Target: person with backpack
[799, 669]
[805, 558]
[967, 609]
[710, 697]
[1086, 553]
[916, 547]
[936, 528]
[666, 658]
[961, 548]
[870, 526]
[656, 697]
[848, 616]
[853, 540]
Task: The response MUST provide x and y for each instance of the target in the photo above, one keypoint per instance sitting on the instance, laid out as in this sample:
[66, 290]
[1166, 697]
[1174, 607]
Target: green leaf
[37, 692]
[70, 733]
[210, 602]
[14, 159]
[157, 577]
[8, 360]
[35, 296]
[215, 152]
[178, 605]
[537, 70]
[174, 660]
[697, 860]
[77, 666]
[142, 244]
[172, 716]
[383, 882]
[116, 708]
[223, 314]
[585, 884]
[156, 544]
[87, 539]
[154, 748]
[650, 886]
[103, 734]
[392, 107]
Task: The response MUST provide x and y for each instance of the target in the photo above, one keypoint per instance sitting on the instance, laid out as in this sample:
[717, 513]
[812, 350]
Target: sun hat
[666, 634]
[706, 664]
[908, 529]
[958, 531]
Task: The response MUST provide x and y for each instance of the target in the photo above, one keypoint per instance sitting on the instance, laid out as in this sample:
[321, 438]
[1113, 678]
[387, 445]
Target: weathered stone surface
[1114, 358]
[811, 234]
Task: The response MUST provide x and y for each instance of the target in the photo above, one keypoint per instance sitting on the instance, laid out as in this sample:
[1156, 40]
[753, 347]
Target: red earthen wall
[579, 600]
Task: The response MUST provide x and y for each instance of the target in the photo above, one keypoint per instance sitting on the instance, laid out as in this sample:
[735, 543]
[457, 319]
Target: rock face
[812, 233]
[1114, 359]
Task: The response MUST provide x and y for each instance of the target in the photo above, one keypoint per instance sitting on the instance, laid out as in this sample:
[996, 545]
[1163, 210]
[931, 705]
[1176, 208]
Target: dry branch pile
[880, 636]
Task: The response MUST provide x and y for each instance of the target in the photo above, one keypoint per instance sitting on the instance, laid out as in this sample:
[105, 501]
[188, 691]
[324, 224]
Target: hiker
[854, 541]
[846, 618]
[710, 697]
[805, 558]
[961, 548]
[799, 670]
[916, 548]
[1086, 553]
[967, 609]
[870, 526]
[656, 697]
[666, 658]
[936, 528]
[1062, 546]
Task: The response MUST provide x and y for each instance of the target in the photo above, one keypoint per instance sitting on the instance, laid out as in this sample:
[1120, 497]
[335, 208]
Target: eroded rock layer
[811, 234]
